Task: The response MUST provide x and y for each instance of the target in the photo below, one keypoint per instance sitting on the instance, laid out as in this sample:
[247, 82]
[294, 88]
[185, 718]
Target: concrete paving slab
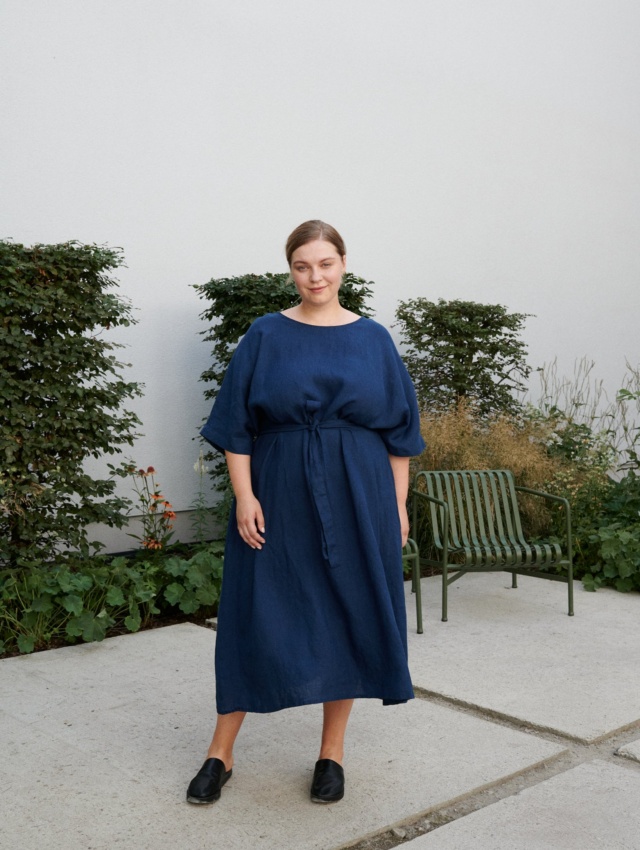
[92, 775]
[591, 807]
[630, 751]
[517, 653]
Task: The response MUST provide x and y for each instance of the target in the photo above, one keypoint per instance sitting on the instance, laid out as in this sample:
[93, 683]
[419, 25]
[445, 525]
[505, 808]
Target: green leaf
[207, 595]
[26, 643]
[610, 548]
[115, 597]
[42, 604]
[133, 621]
[119, 563]
[88, 626]
[195, 576]
[72, 603]
[173, 593]
[82, 582]
[176, 566]
[188, 602]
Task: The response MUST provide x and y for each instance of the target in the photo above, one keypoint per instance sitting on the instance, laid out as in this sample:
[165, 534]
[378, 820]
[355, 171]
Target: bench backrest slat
[484, 519]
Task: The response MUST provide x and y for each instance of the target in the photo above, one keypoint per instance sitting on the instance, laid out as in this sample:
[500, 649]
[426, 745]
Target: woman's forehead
[318, 249]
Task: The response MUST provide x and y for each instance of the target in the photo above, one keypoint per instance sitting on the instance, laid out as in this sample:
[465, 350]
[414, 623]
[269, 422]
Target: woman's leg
[226, 732]
[206, 785]
[336, 717]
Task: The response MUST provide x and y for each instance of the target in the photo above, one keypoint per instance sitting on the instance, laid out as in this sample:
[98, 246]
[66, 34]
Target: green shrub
[581, 400]
[75, 600]
[62, 397]
[581, 462]
[623, 500]
[196, 580]
[595, 440]
[618, 564]
[457, 350]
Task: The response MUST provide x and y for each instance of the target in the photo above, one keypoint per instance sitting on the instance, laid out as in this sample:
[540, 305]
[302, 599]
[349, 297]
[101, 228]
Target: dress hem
[385, 701]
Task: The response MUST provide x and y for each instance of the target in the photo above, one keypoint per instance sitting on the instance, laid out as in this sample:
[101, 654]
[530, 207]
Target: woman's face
[317, 271]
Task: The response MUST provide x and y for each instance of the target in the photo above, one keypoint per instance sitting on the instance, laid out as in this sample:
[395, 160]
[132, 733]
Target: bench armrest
[547, 496]
[431, 498]
[565, 503]
[445, 525]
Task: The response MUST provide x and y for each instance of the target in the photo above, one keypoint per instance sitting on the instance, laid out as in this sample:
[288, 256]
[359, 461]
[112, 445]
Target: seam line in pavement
[577, 752]
[502, 719]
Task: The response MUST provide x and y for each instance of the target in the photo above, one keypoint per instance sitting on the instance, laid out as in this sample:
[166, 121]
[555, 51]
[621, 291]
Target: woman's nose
[316, 274]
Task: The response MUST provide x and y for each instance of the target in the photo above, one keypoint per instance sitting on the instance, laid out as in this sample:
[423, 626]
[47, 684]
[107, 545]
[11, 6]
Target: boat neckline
[309, 325]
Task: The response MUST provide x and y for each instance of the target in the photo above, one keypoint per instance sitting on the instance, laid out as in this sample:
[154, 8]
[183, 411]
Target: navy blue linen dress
[318, 613]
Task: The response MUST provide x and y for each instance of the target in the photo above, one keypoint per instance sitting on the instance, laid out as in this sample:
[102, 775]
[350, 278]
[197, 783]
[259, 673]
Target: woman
[317, 418]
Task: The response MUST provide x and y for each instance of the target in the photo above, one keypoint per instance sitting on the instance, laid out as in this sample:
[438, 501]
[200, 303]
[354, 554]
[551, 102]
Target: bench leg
[445, 586]
[570, 583]
[514, 579]
[417, 587]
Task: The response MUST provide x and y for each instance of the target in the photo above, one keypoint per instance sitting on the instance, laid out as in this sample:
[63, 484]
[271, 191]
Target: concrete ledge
[591, 807]
[631, 751]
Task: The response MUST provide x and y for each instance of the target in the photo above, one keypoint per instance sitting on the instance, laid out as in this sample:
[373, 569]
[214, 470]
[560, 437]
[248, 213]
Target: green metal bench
[476, 527]
[412, 553]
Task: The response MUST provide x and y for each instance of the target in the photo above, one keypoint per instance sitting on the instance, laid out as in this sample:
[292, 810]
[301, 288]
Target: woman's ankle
[225, 758]
[333, 753]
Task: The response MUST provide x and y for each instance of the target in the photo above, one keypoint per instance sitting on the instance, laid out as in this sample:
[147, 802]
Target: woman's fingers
[250, 522]
[250, 534]
[404, 524]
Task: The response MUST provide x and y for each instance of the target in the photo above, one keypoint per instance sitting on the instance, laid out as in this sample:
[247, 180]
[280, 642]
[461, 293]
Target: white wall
[476, 149]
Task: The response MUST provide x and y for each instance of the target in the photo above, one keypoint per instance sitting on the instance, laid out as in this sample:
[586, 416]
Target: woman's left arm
[400, 469]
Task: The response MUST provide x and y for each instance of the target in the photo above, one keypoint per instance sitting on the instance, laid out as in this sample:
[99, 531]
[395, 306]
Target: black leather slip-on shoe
[206, 785]
[328, 782]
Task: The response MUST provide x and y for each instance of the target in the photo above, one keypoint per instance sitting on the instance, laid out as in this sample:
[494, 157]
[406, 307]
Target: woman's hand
[404, 522]
[400, 469]
[250, 521]
[249, 514]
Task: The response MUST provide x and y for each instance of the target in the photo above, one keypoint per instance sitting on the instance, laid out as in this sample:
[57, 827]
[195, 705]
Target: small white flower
[200, 466]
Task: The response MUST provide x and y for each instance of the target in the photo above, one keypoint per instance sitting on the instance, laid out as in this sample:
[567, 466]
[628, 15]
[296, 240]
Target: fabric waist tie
[315, 425]
[316, 475]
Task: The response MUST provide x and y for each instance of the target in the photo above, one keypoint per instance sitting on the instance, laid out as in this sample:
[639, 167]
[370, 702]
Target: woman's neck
[326, 315]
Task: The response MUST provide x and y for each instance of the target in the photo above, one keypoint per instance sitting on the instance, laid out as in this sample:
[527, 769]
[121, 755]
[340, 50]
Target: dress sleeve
[231, 426]
[403, 437]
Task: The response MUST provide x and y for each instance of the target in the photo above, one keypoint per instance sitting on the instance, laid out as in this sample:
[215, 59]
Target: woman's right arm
[248, 511]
